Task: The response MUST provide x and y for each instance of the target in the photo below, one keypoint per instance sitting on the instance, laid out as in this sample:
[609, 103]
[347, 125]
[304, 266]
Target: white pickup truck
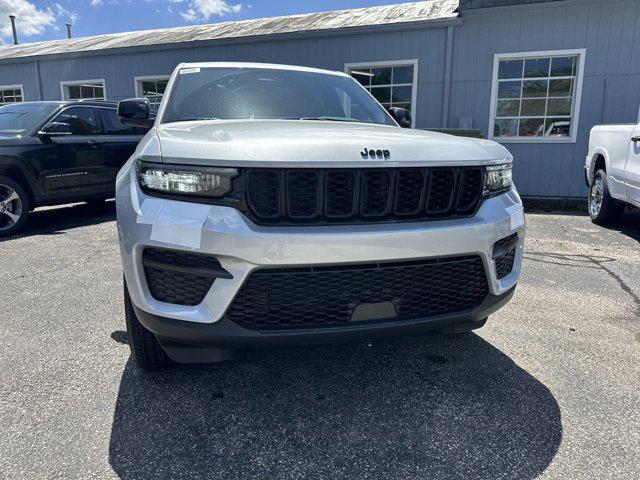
[612, 171]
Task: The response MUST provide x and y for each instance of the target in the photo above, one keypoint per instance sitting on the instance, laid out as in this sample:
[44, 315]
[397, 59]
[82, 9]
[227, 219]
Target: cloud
[64, 14]
[30, 20]
[203, 10]
[95, 3]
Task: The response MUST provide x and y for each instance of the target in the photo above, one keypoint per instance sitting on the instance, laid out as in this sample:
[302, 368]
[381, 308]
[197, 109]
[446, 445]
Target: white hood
[300, 143]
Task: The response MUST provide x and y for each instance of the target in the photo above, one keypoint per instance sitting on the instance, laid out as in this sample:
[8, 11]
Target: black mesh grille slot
[339, 190]
[409, 191]
[441, 190]
[302, 188]
[505, 260]
[469, 190]
[504, 264]
[328, 296]
[263, 193]
[375, 193]
[182, 278]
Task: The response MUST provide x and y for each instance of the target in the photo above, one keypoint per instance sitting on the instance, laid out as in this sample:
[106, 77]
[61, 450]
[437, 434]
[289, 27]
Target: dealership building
[534, 75]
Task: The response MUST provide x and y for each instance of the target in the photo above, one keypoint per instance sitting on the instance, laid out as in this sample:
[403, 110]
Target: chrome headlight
[497, 179]
[188, 180]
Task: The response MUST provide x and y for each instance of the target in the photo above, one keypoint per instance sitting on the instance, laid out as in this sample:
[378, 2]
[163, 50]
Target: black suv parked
[59, 152]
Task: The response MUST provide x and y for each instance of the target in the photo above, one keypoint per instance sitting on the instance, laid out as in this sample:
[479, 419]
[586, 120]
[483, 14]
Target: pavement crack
[590, 262]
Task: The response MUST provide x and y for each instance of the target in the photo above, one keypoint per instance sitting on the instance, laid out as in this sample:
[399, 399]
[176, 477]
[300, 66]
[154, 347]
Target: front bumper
[241, 247]
[188, 342]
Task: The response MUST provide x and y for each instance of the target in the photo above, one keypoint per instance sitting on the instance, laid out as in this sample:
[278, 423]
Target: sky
[38, 20]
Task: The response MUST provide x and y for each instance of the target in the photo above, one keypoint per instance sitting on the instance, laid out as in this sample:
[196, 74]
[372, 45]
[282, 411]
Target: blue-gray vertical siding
[427, 45]
[610, 33]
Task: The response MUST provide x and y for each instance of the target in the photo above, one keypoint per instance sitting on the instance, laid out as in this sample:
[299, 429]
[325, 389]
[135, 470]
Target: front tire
[603, 208]
[14, 206]
[143, 344]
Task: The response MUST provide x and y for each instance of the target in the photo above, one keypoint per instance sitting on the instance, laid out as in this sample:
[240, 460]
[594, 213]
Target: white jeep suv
[276, 205]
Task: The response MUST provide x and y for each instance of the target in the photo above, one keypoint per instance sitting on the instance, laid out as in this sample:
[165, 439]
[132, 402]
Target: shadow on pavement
[424, 407]
[629, 224]
[54, 221]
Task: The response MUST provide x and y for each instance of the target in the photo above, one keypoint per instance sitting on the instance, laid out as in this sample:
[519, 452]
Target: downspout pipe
[38, 80]
[447, 78]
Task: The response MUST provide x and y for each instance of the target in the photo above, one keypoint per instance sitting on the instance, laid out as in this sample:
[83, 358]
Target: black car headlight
[185, 180]
[498, 179]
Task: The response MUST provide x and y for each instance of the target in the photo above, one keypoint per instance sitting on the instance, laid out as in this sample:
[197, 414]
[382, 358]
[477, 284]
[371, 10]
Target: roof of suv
[93, 103]
[271, 66]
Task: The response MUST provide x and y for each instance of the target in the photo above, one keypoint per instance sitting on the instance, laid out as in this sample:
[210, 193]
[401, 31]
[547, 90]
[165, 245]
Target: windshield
[23, 117]
[258, 93]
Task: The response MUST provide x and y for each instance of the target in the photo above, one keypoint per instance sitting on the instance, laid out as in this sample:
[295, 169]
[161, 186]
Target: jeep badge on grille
[373, 154]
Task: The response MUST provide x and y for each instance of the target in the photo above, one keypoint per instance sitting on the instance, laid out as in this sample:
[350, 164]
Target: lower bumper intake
[189, 342]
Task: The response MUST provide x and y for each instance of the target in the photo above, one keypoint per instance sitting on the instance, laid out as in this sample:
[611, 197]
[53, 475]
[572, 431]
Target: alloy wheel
[10, 207]
[596, 196]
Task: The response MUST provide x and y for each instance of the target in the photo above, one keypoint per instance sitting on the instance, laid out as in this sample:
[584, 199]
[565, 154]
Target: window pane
[557, 127]
[533, 108]
[561, 88]
[74, 92]
[563, 66]
[382, 94]
[362, 75]
[508, 108]
[510, 69]
[536, 67]
[381, 76]
[113, 126]
[535, 88]
[559, 106]
[86, 91]
[506, 128]
[403, 74]
[81, 119]
[531, 127]
[148, 88]
[161, 86]
[509, 89]
[403, 105]
[98, 92]
[402, 94]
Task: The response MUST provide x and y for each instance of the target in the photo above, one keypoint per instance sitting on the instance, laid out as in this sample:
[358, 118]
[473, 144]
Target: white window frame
[17, 86]
[395, 63]
[64, 86]
[575, 113]
[137, 81]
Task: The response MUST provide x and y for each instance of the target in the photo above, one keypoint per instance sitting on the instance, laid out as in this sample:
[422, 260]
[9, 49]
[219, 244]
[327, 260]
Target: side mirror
[54, 129]
[135, 112]
[402, 116]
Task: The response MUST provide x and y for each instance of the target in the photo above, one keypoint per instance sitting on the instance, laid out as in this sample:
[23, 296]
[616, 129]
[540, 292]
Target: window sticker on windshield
[189, 70]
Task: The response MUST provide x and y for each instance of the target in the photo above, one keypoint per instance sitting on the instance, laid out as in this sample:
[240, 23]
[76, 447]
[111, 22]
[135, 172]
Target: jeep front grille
[335, 196]
[314, 297]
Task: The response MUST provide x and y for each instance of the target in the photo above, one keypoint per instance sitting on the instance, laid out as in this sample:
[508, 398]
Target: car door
[73, 165]
[119, 141]
[632, 168]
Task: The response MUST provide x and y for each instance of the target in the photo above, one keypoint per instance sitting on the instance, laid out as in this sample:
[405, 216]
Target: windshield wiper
[194, 119]
[331, 119]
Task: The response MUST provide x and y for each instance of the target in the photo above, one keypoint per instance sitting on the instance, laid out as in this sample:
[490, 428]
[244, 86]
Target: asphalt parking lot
[548, 389]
